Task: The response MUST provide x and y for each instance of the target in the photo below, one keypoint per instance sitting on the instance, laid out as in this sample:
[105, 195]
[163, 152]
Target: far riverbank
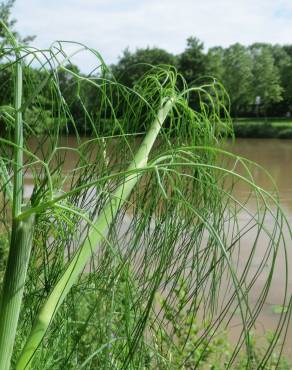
[270, 128]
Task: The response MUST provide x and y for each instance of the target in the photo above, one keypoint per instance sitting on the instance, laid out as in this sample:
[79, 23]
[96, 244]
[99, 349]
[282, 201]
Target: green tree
[215, 62]
[131, 66]
[283, 61]
[237, 77]
[192, 62]
[5, 16]
[266, 83]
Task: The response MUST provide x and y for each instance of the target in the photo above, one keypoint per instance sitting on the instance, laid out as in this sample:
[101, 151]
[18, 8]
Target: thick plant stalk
[18, 139]
[21, 239]
[18, 133]
[20, 247]
[95, 235]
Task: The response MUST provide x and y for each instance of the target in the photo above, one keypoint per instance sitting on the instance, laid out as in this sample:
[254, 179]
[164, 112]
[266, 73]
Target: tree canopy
[5, 15]
[247, 72]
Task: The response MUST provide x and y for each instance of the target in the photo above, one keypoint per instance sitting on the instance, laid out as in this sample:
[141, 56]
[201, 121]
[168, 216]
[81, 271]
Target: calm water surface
[275, 156]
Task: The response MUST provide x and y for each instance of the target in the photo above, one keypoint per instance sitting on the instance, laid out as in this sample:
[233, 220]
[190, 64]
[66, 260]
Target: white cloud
[111, 25]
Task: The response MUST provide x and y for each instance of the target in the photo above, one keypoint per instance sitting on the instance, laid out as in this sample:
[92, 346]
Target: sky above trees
[110, 25]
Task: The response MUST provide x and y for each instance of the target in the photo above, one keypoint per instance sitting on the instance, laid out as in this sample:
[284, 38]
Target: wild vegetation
[133, 256]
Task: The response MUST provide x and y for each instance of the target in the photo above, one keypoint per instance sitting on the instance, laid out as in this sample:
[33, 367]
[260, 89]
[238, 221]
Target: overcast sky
[112, 25]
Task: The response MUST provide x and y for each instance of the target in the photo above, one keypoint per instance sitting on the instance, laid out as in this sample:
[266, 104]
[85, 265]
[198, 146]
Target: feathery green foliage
[133, 219]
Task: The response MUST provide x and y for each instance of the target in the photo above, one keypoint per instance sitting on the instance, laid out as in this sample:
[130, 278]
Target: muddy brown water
[275, 156]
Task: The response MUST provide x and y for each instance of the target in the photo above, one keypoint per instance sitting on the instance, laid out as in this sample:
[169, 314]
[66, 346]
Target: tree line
[257, 78]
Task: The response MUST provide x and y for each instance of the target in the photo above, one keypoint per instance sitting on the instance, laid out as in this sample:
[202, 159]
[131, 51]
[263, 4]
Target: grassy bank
[278, 128]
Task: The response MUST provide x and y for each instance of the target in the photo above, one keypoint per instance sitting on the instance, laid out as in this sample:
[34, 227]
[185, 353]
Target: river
[276, 157]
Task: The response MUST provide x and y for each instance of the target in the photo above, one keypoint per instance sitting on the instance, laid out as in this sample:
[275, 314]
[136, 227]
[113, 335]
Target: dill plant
[143, 223]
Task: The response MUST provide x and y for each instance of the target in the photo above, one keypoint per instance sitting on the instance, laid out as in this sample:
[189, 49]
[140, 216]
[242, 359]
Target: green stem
[18, 134]
[18, 151]
[21, 233]
[14, 280]
[96, 234]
